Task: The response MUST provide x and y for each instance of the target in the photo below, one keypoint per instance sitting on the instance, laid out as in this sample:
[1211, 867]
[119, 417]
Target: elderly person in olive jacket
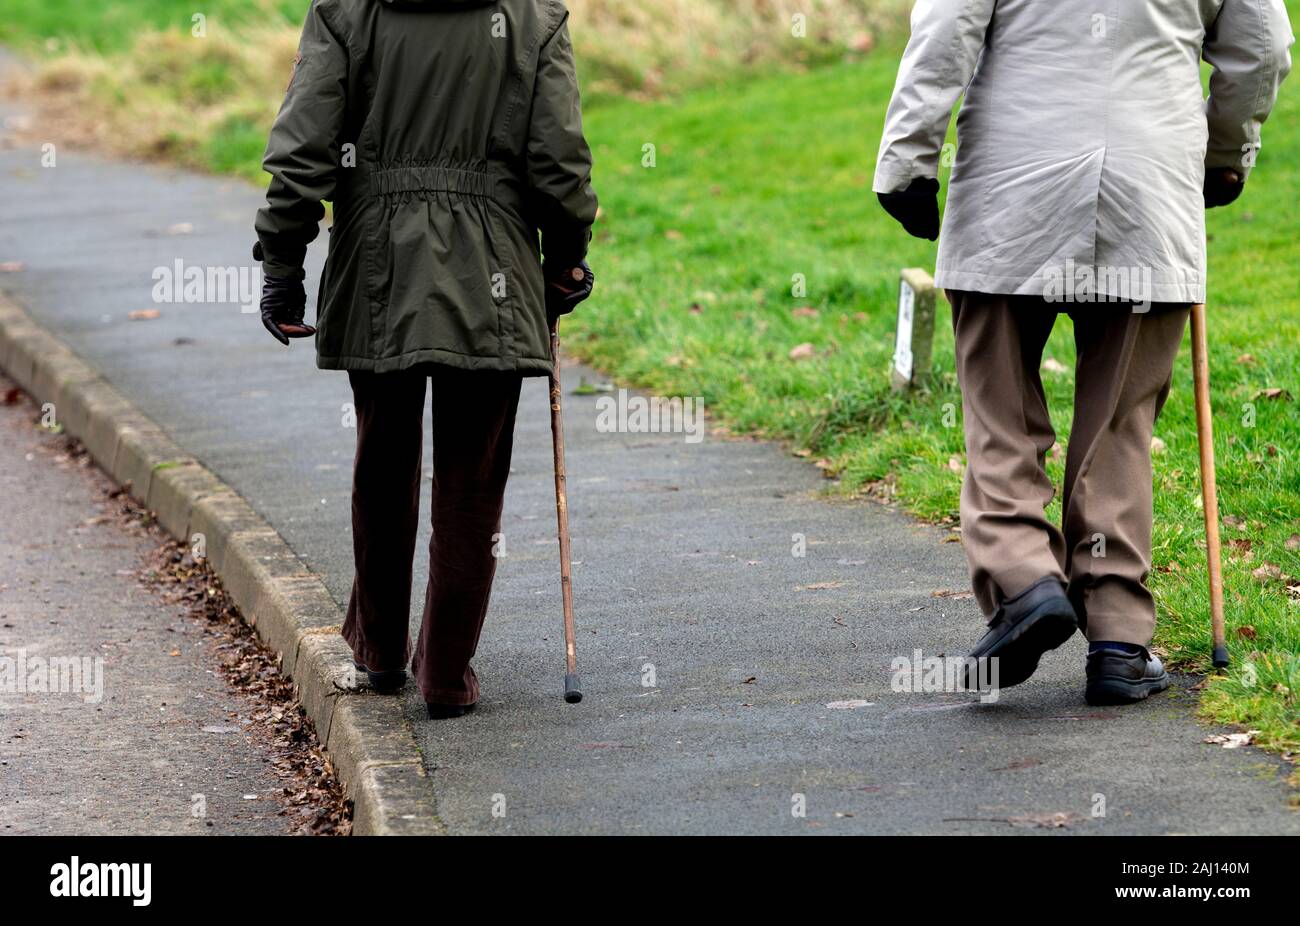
[448, 136]
[1086, 157]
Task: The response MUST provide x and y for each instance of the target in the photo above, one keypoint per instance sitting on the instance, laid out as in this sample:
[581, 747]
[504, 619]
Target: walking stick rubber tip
[1220, 657]
[572, 693]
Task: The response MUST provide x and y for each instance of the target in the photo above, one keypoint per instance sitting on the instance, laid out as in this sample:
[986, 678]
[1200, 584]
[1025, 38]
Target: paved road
[131, 742]
[685, 571]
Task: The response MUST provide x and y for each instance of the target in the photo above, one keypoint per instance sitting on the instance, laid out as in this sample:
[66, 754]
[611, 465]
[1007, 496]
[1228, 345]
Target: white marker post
[915, 338]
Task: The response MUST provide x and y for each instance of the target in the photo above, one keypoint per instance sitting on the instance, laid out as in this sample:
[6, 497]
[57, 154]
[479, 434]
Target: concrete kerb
[367, 736]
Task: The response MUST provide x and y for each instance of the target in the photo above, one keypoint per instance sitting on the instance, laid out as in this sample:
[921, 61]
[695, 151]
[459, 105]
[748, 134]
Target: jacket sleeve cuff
[1227, 156]
[284, 265]
[565, 250]
[894, 179]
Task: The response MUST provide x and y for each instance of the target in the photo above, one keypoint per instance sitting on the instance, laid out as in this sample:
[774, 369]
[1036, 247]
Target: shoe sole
[1111, 691]
[1023, 644]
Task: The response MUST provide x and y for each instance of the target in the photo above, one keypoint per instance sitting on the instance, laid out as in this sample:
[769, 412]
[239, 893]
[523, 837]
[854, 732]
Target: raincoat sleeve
[558, 158]
[947, 38]
[304, 150]
[1248, 46]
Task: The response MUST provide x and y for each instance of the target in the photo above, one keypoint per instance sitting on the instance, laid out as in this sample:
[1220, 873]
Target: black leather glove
[284, 306]
[916, 208]
[1222, 186]
[566, 289]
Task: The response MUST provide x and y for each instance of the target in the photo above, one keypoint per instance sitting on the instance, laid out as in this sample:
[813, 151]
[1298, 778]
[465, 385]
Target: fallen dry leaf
[1232, 740]
[802, 351]
[949, 593]
[1058, 820]
[1050, 821]
[310, 790]
[1019, 764]
[1270, 572]
[142, 315]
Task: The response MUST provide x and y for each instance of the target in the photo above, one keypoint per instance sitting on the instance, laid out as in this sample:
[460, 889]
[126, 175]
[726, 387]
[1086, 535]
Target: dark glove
[284, 306]
[565, 290]
[1222, 186]
[916, 208]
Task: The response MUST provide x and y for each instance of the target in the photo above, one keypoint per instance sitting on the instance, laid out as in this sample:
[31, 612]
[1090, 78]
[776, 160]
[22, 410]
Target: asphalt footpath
[113, 717]
[732, 685]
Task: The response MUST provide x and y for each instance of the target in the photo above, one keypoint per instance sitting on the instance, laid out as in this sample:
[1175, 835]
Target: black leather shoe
[387, 682]
[1039, 619]
[448, 711]
[1121, 678]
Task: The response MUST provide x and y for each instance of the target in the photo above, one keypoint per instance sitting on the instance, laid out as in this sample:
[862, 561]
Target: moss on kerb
[166, 464]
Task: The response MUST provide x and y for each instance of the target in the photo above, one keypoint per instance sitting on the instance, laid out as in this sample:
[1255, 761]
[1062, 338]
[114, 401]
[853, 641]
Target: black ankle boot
[388, 682]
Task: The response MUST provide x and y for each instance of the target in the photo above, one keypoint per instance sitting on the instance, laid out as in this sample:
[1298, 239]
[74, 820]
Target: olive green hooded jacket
[448, 136]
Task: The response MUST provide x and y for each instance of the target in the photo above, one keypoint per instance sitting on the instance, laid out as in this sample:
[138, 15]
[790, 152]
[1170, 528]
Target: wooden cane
[572, 691]
[1209, 489]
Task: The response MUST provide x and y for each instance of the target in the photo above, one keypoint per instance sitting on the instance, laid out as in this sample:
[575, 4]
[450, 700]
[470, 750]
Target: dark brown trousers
[1102, 550]
[473, 434]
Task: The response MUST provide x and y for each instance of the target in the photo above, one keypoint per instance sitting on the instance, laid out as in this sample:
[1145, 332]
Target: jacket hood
[435, 4]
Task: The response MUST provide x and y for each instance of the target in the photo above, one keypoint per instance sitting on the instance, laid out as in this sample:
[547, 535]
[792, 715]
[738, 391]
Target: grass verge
[149, 79]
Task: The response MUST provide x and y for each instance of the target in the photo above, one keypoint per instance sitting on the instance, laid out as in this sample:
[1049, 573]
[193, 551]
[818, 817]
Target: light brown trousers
[1102, 551]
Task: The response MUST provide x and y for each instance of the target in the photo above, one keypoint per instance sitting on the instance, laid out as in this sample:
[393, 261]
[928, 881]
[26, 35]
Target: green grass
[114, 26]
[129, 77]
[758, 180]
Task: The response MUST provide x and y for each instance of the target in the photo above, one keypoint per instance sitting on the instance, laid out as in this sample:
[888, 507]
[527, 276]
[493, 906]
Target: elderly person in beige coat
[1086, 156]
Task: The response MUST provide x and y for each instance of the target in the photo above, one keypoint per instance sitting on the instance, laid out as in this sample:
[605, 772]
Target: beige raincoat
[1083, 136]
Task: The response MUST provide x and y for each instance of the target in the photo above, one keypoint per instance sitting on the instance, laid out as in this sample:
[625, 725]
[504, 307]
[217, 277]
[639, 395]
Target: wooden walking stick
[572, 692]
[1209, 489]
